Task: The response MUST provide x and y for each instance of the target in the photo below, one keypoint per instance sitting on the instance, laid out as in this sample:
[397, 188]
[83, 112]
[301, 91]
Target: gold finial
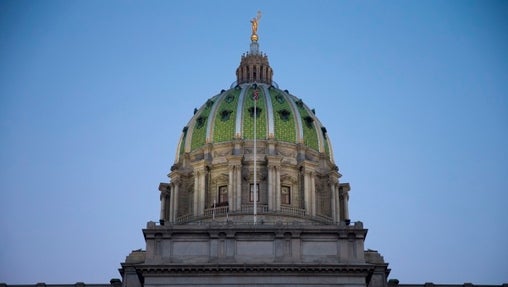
[254, 23]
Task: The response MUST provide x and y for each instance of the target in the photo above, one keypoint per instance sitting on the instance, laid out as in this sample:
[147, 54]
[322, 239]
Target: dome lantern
[254, 66]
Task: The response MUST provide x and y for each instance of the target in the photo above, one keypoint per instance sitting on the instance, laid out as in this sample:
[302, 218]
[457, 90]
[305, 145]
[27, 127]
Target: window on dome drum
[223, 195]
[251, 193]
[285, 195]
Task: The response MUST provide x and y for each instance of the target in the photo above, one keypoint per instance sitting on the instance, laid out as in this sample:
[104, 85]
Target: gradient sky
[94, 95]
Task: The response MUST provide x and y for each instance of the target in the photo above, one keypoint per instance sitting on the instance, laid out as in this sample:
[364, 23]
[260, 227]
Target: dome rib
[239, 113]
[269, 110]
[223, 128]
[248, 119]
[285, 125]
[212, 116]
[297, 117]
[317, 127]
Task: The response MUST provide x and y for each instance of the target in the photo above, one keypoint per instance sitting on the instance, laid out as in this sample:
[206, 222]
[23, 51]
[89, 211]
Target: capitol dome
[254, 136]
[229, 116]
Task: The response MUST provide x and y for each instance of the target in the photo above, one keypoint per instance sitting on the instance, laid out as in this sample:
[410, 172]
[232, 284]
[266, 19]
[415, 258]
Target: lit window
[223, 194]
[251, 194]
[285, 195]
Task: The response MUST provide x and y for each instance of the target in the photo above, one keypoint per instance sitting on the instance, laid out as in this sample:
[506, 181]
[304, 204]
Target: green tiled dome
[230, 115]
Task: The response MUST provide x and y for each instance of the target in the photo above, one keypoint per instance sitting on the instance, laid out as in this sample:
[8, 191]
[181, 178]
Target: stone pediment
[223, 177]
[288, 178]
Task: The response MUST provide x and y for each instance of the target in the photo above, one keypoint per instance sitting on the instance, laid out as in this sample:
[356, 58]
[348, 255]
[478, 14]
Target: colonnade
[339, 191]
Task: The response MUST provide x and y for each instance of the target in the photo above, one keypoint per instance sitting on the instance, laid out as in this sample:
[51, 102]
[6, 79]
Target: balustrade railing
[184, 218]
[292, 211]
[220, 210]
[249, 209]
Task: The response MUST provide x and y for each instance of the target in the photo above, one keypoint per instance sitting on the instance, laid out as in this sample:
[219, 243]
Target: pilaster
[274, 163]
[235, 191]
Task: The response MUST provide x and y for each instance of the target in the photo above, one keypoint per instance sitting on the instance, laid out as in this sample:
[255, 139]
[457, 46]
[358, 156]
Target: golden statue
[254, 23]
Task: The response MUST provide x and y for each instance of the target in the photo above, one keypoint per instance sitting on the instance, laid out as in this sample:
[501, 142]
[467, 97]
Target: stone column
[202, 191]
[344, 194]
[195, 197]
[231, 194]
[238, 179]
[235, 180]
[307, 195]
[165, 189]
[163, 206]
[346, 203]
[334, 201]
[271, 194]
[313, 193]
[337, 202]
[277, 188]
[274, 163]
[174, 201]
[198, 198]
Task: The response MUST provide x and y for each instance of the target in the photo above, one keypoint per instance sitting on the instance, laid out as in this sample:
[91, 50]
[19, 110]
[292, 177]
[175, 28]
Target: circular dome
[254, 147]
[229, 116]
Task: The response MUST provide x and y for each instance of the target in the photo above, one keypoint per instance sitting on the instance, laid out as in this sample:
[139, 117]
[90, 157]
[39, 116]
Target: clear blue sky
[94, 95]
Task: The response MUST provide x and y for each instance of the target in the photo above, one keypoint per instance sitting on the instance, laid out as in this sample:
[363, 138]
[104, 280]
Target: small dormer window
[284, 114]
[251, 112]
[279, 98]
[229, 98]
[200, 122]
[225, 115]
[308, 121]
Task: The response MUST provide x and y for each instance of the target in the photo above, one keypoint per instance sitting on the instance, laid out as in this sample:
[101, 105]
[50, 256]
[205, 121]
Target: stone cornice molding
[341, 231]
[359, 269]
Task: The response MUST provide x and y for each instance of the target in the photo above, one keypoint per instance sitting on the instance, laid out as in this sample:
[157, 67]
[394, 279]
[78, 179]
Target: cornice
[359, 270]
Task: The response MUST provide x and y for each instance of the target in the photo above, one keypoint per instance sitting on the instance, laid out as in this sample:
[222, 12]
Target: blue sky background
[94, 95]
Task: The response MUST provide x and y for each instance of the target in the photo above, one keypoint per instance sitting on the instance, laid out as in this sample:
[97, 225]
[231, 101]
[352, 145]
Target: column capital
[344, 189]
[274, 160]
[164, 187]
[176, 182]
[234, 160]
[308, 166]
